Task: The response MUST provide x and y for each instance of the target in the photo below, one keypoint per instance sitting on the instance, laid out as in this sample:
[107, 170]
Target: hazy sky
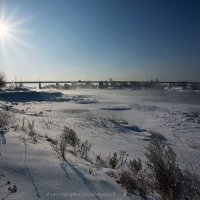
[100, 39]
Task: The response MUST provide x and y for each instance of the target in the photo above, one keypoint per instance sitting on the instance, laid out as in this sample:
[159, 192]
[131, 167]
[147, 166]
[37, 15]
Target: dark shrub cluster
[162, 177]
[134, 179]
[69, 138]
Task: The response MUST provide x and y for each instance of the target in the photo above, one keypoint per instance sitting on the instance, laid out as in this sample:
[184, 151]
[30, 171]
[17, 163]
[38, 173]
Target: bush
[117, 161]
[70, 137]
[167, 179]
[166, 174]
[191, 186]
[161, 175]
[113, 161]
[133, 179]
[135, 166]
[85, 148]
[30, 130]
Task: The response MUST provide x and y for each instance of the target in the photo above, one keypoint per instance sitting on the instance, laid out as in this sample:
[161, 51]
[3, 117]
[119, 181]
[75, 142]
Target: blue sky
[101, 39]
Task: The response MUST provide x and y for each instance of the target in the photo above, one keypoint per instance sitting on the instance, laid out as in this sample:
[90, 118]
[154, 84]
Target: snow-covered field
[111, 120]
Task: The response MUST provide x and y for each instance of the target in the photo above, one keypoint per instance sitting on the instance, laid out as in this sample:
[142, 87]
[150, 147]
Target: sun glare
[12, 32]
[4, 31]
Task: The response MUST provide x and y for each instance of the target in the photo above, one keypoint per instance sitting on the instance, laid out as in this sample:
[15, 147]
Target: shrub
[66, 139]
[85, 148]
[29, 129]
[113, 161]
[191, 186]
[117, 161]
[167, 179]
[135, 166]
[162, 174]
[59, 146]
[166, 174]
[70, 137]
[31, 132]
[133, 179]
[126, 180]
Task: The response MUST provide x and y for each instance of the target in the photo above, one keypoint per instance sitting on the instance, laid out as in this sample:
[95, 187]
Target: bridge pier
[40, 87]
[172, 84]
[100, 84]
[184, 85]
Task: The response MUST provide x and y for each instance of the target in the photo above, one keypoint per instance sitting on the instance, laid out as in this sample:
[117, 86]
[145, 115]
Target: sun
[4, 30]
[13, 32]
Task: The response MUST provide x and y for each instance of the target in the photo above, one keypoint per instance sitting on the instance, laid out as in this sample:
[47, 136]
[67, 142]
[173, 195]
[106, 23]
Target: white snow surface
[111, 120]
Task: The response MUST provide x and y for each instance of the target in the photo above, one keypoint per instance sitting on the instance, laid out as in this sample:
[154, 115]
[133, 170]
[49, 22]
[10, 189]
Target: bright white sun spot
[4, 30]
[12, 32]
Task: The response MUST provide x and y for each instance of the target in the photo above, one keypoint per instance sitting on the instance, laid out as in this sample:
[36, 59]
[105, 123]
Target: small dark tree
[2, 80]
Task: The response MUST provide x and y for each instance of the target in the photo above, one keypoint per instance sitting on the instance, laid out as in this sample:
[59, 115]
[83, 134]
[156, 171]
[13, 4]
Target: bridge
[114, 84]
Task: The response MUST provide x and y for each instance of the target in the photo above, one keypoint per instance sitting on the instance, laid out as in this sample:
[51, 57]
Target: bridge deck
[97, 82]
